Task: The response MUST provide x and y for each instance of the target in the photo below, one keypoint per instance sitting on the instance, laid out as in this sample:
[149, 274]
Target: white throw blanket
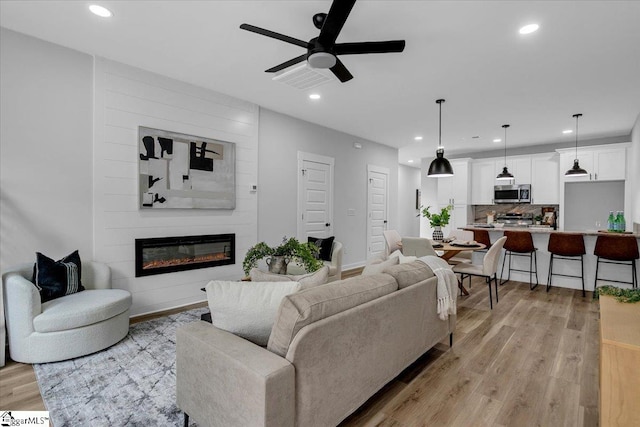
[447, 284]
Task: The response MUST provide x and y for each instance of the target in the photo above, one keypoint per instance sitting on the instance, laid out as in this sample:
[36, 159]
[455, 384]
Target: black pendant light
[576, 170]
[505, 172]
[440, 167]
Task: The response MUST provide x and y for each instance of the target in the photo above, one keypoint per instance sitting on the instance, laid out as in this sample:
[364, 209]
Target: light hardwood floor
[531, 361]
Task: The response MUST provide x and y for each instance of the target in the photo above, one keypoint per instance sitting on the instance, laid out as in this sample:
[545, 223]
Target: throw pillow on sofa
[55, 279]
[325, 244]
[247, 309]
[306, 281]
[379, 267]
[402, 258]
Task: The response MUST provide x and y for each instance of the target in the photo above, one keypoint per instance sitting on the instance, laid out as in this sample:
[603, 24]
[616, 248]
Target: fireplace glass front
[170, 254]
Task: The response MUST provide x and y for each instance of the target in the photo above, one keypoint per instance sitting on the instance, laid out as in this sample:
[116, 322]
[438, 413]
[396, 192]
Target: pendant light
[505, 172]
[440, 166]
[576, 170]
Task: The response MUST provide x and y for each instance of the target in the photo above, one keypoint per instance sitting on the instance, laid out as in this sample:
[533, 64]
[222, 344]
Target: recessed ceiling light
[497, 140]
[528, 29]
[100, 11]
[409, 161]
[567, 131]
[418, 138]
[314, 96]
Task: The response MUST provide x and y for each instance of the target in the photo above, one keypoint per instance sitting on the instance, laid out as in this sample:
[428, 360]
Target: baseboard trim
[162, 313]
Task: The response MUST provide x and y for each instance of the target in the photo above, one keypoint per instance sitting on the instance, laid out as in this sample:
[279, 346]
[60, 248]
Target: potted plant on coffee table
[278, 257]
[437, 220]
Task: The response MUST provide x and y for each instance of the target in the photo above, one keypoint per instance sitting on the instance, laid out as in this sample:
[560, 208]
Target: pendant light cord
[505, 144]
[439, 102]
[577, 116]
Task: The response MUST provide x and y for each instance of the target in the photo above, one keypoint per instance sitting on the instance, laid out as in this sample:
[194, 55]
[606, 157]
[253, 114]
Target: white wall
[125, 98]
[281, 137]
[45, 150]
[429, 195]
[408, 183]
[634, 173]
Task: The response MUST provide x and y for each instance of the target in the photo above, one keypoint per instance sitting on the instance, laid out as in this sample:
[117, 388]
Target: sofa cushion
[409, 273]
[305, 307]
[378, 266]
[403, 259]
[55, 279]
[81, 309]
[247, 309]
[307, 280]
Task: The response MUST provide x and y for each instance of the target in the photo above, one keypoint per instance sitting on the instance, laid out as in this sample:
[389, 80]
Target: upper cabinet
[483, 178]
[454, 190]
[602, 163]
[519, 167]
[545, 182]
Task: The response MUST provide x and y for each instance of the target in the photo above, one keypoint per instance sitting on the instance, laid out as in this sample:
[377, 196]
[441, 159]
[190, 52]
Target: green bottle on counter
[622, 224]
[610, 222]
[616, 222]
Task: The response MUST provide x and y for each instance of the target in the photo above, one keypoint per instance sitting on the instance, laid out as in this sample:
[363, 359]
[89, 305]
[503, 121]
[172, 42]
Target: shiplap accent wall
[125, 98]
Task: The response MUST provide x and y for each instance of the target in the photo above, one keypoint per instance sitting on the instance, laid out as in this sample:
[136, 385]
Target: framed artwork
[179, 171]
[418, 198]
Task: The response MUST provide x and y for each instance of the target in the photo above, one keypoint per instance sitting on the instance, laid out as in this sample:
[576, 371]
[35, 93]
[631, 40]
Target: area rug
[132, 383]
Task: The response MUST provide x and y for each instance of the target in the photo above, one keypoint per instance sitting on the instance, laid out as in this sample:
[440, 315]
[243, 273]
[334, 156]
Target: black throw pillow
[55, 279]
[325, 245]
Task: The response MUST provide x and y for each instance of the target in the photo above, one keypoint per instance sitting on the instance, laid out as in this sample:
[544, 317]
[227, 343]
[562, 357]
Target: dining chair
[465, 236]
[393, 241]
[488, 269]
[417, 246]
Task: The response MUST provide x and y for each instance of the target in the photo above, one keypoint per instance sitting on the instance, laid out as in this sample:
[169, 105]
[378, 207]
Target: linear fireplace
[170, 254]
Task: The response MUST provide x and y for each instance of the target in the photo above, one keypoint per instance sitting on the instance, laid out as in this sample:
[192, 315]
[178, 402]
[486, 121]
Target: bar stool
[482, 236]
[617, 250]
[566, 246]
[520, 243]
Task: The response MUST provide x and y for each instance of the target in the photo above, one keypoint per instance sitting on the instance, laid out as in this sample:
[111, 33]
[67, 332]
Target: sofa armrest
[96, 275]
[225, 380]
[21, 304]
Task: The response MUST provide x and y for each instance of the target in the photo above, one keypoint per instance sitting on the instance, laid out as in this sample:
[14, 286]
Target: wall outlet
[253, 188]
[351, 212]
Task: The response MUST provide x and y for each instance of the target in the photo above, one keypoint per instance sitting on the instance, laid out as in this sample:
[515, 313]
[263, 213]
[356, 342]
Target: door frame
[386, 171]
[317, 158]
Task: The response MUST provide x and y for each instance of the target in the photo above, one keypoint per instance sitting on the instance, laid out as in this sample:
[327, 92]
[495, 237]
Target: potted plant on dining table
[437, 220]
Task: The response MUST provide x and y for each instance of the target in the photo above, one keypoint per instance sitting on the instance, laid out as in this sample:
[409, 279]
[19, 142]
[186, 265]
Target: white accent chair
[335, 265]
[487, 270]
[67, 327]
[465, 236]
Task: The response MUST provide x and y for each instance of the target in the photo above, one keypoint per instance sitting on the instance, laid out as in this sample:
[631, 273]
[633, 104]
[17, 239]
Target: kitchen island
[541, 240]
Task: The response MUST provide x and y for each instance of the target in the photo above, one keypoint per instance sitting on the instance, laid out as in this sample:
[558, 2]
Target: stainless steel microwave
[512, 193]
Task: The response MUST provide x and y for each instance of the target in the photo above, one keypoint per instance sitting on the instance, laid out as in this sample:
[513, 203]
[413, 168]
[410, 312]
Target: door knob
[385, 221]
[327, 225]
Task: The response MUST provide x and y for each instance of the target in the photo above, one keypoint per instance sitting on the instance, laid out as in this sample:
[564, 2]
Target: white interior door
[377, 209]
[315, 196]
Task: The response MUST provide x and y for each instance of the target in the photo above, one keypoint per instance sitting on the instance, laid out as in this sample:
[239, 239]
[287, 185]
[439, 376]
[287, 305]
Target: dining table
[451, 249]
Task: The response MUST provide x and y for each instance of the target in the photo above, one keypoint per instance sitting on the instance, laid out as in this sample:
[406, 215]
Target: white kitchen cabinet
[455, 189]
[545, 179]
[483, 177]
[602, 163]
[460, 217]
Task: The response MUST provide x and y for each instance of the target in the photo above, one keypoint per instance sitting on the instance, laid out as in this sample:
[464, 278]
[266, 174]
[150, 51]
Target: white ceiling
[584, 59]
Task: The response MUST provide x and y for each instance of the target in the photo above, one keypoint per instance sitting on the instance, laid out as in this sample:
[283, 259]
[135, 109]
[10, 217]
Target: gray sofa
[331, 348]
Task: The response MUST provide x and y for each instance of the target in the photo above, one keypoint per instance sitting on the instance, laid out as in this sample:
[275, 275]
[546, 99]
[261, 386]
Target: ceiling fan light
[505, 174]
[321, 60]
[440, 166]
[576, 170]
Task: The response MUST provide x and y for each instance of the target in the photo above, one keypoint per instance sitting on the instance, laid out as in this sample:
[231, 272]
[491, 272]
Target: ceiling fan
[322, 51]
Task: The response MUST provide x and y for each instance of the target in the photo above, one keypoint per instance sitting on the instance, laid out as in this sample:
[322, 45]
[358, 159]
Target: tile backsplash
[480, 212]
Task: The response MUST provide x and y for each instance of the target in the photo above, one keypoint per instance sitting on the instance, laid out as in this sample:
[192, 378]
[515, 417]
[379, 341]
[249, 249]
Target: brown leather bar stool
[566, 246]
[482, 236]
[520, 243]
[617, 250]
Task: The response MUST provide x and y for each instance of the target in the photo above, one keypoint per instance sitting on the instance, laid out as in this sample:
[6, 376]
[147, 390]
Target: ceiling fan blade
[287, 64]
[334, 21]
[341, 72]
[274, 35]
[369, 47]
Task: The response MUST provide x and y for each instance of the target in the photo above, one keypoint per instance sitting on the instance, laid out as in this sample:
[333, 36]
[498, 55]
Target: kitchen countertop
[548, 230]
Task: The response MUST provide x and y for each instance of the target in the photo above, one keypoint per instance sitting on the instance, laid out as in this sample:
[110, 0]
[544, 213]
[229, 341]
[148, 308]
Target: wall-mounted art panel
[185, 172]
